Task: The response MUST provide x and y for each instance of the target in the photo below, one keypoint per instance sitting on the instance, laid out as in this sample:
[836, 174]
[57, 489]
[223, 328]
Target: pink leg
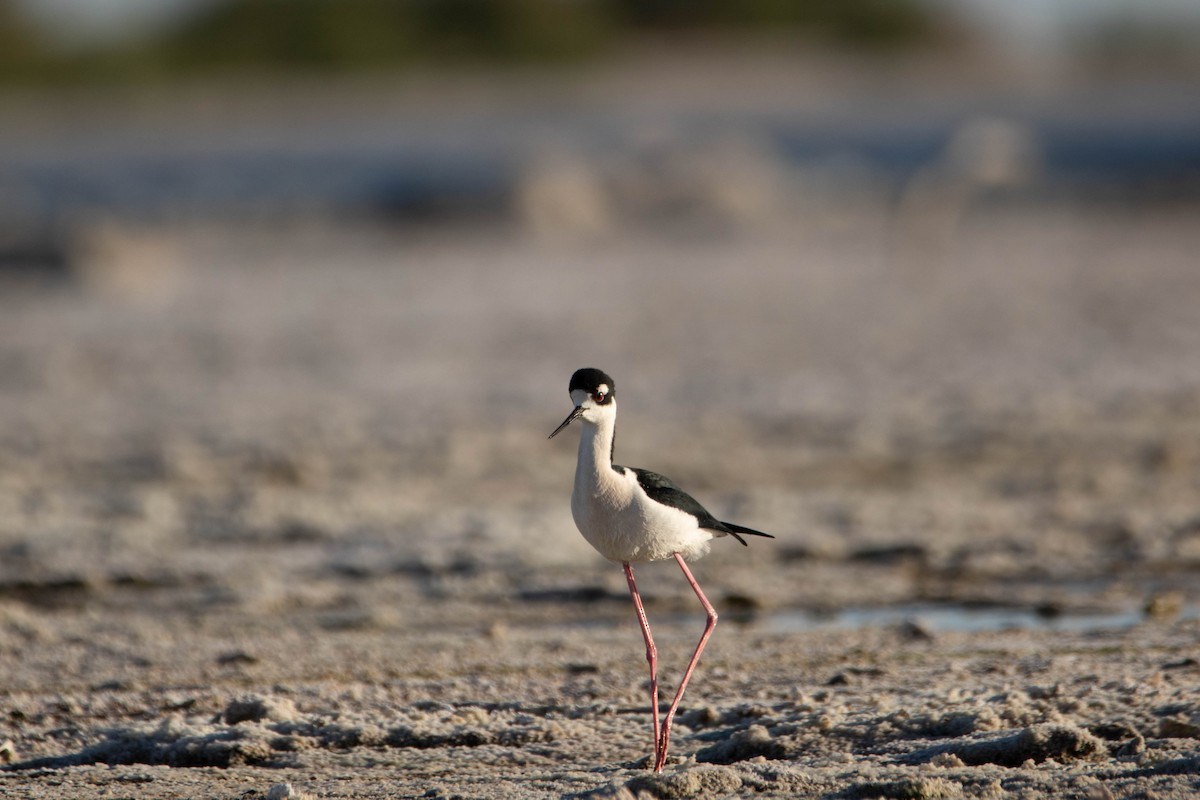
[665, 733]
[651, 652]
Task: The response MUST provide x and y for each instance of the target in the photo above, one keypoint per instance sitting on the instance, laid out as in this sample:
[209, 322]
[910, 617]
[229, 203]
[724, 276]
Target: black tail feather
[735, 530]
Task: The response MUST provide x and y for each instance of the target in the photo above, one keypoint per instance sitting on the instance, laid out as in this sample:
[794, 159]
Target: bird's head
[594, 394]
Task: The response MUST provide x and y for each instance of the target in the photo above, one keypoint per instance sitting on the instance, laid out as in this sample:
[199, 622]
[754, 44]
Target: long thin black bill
[570, 418]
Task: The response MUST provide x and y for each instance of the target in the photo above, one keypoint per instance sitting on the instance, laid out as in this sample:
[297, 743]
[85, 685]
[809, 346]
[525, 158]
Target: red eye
[599, 397]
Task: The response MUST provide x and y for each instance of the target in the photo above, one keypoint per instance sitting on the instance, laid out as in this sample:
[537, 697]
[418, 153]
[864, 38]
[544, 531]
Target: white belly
[623, 524]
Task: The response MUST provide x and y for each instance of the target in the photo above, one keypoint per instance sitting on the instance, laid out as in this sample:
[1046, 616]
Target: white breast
[617, 517]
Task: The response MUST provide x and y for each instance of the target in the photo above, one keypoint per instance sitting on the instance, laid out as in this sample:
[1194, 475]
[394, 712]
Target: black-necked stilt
[630, 515]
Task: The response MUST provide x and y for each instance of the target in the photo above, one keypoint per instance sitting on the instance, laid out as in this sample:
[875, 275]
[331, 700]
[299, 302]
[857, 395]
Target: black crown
[590, 379]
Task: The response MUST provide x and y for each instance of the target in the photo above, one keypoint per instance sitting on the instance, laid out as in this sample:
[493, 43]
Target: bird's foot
[665, 759]
[660, 754]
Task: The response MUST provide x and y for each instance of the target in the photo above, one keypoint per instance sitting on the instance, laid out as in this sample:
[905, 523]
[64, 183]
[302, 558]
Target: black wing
[663, 490]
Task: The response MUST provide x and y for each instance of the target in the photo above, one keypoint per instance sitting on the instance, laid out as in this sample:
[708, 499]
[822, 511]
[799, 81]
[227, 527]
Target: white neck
[596, 443]
[594, 475]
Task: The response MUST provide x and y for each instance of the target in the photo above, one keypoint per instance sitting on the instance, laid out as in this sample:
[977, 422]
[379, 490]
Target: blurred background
[910, 283]
[571, 118]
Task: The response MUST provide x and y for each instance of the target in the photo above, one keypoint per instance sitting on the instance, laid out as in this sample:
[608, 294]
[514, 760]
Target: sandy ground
[285, 512]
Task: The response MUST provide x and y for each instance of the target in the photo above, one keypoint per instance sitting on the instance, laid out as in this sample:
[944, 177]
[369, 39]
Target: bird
[631, 515]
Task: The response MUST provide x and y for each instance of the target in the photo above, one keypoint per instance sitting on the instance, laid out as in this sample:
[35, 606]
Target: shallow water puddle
[963, 619]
